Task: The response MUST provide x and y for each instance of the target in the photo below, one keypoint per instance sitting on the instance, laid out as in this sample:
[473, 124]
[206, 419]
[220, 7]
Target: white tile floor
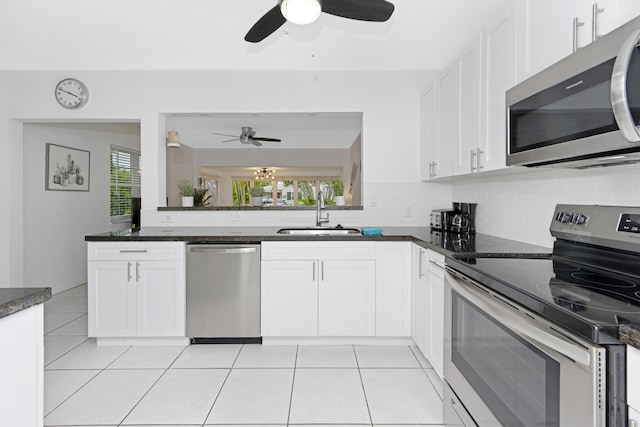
[225, 385]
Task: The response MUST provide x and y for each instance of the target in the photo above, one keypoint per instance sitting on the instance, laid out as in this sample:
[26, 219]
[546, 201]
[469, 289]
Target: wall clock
[71, 93]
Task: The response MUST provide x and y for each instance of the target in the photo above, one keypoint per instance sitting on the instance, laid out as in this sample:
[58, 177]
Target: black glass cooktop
[588, 300]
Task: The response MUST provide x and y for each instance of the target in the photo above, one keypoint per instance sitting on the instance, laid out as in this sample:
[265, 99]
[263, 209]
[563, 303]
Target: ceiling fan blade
[223, 134]
[266, 139]
[270, 22]
[256, 143]
[361, 10]
[230, 140]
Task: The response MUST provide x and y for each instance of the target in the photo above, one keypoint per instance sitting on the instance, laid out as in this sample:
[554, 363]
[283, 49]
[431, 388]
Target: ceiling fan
[306, 11]
[247, 136]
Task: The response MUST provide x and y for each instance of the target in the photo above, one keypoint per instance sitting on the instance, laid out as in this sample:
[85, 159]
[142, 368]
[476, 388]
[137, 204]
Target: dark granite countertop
[13, 300]
[443, 243]
[630, 334]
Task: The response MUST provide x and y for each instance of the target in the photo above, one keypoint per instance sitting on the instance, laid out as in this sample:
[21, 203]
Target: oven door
[508, 367]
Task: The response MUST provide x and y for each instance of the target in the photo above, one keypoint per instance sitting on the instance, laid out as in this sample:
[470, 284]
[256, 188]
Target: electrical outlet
[235, 216]
[408, 211]
[374, 202]
[168, 218]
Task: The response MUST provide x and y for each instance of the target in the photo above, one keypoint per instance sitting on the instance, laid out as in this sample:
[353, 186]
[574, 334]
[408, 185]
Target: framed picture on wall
[67, 169]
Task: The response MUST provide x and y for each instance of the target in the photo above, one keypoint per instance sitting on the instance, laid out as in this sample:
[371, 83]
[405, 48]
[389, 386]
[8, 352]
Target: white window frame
[135, 185]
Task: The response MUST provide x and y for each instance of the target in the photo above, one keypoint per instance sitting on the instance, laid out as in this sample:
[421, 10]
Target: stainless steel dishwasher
[223, 293]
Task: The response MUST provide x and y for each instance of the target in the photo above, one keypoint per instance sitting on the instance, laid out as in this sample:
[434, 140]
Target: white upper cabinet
[471, 142]
[429, 132]
[623, 11]
[549, 30]
[545, 33]
[500, 75]
[448, 120]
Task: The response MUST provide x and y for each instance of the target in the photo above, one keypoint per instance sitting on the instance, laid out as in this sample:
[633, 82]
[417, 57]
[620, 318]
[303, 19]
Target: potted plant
[256, 195]
[200, 197]
[186, 191]
[338, 191]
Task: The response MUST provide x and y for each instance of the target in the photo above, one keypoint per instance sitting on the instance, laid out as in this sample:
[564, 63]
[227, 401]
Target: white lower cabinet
[428, 305]
[136, 289]
[393, 289]
[336, 289]
[22, 368]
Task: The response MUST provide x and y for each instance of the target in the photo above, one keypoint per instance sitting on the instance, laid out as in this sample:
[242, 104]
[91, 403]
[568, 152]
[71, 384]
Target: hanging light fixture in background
[264, 174]
[173, 139]
[301, 12]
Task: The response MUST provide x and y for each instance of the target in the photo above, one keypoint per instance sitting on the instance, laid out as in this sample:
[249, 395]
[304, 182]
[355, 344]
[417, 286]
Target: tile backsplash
[520, 206]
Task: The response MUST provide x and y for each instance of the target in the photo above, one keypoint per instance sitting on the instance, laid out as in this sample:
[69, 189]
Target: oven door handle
[500, 312]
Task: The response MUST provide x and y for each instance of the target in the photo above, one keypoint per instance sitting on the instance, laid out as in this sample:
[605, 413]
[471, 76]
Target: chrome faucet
[319, 206]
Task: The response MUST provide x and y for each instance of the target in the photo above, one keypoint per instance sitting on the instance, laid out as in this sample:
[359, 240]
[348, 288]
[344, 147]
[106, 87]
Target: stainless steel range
[532, 340]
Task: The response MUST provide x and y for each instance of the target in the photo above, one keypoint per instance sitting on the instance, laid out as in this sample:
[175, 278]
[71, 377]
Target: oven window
[516, 380]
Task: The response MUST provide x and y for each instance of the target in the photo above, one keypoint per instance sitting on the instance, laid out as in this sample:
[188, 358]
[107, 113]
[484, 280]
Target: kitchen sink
[320, 231]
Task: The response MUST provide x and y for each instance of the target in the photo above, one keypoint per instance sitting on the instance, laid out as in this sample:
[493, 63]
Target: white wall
[55, 222]
[389, 101]
[521, 206]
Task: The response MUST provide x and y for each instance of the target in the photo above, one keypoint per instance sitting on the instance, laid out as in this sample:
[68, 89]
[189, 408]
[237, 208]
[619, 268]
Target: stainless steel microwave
[583, 111]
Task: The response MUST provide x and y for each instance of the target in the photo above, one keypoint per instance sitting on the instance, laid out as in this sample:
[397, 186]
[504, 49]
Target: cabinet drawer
[633, 373]
[318, 250]
[116, 251]
[436, 264]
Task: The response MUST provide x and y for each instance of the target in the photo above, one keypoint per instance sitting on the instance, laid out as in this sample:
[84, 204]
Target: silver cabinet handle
[478, 163]
[314, 271]
[594, 21]
[322, 271]
[223, 250]
[619, 98]
[138, 271]
[129, 276]
[420, 272]
[133, 251]
[473, 157]
[433, 165]
[576, 24]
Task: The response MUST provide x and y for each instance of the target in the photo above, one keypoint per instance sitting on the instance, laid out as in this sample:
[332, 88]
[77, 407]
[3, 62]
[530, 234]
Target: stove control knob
[579, 218]
[563, 217]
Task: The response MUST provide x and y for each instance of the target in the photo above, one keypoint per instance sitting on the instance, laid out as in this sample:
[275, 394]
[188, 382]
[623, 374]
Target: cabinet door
[346, 298]
[435, 341]
[470, 99]
[545, 33]
[500, 75]
[289, 291]
[160, 298]
[112, 298]
[420, 301]
[429, 132]
[623, 11]
[393, 289]
[448, 119]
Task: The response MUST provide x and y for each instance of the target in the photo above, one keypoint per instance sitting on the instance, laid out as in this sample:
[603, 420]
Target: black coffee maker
[463, 220]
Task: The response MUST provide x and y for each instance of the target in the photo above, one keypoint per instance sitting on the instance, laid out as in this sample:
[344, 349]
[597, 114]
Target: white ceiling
[297, 130]
[208, 35]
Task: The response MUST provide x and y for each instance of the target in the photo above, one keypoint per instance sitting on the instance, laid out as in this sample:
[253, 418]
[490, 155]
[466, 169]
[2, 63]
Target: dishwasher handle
[210, 249]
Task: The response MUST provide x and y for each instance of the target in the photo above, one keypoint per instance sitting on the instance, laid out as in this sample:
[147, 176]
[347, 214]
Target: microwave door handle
[514, 323]
[619, 99]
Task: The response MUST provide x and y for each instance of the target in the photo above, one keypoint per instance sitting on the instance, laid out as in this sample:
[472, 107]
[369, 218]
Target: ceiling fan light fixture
[301, 12]
[173, 139]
